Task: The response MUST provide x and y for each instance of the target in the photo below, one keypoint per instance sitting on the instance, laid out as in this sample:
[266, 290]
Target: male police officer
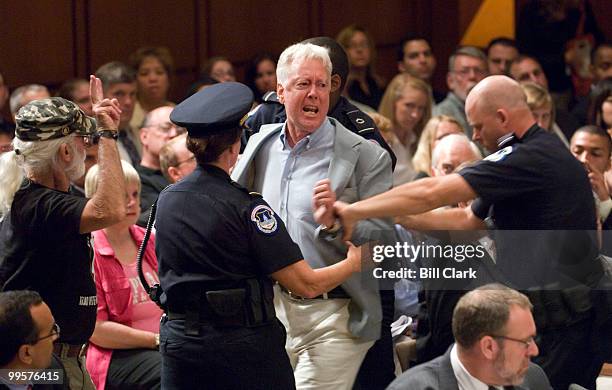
[528, 182]
[351, 117]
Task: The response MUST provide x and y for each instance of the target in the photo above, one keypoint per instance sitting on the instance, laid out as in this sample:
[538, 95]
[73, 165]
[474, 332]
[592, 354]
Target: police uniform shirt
[536, 184]
[210, 229]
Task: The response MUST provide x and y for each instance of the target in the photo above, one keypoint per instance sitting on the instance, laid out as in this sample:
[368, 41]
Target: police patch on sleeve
[264, 218]
[499, 155]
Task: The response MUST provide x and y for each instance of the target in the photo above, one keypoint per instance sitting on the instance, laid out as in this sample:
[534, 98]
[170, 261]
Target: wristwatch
[108, 134]
[157, 340]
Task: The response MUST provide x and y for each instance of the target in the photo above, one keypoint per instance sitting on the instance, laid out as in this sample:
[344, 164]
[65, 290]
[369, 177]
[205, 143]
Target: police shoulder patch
[264, 219]
[500, 154]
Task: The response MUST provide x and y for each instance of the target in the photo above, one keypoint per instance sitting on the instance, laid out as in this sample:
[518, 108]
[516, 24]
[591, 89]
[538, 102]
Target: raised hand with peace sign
[107, 111]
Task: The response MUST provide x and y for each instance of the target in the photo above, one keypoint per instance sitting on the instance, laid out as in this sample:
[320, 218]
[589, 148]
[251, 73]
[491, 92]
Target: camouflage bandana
[51, 118]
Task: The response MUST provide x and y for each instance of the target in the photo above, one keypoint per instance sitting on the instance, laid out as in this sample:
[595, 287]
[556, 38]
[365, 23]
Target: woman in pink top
[123, 350]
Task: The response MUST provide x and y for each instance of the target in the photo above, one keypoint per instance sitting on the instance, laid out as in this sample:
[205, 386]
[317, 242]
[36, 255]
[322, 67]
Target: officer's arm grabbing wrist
[304, 281]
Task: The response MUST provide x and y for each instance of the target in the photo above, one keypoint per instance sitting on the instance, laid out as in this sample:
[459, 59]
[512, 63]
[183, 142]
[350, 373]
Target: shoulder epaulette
[270, 97]
[362, 122]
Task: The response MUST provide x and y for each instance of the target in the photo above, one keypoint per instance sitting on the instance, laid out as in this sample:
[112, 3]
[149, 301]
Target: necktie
[129, 147]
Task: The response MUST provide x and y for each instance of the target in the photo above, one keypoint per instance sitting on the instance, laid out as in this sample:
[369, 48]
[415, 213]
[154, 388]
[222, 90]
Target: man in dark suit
[494, 341]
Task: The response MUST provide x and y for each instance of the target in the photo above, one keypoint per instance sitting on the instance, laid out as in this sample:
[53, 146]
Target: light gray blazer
[358, 170]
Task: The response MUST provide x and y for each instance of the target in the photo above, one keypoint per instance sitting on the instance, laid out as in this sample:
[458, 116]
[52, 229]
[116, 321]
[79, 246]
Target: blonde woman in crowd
[541, 105]
[436, 128]
[123, 350]
[407, 103]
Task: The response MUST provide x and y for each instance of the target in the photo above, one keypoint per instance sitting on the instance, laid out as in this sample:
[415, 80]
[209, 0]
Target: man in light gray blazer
[327, 337]
[494, 341]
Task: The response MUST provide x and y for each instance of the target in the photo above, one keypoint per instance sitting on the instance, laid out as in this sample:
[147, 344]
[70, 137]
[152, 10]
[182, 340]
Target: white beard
[76, 170]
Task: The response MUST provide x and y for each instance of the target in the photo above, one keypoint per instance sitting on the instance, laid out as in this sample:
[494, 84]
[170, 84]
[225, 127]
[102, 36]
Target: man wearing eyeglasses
[156, 131]
[176, 160]
[466, 67]
[27, 333]
[495, 336]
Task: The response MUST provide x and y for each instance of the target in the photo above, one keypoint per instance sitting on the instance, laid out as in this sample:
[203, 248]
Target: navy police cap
[214, 109]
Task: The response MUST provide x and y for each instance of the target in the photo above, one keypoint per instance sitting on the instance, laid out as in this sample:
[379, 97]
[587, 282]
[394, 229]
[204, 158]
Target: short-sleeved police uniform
[213, 234]
[540, 200]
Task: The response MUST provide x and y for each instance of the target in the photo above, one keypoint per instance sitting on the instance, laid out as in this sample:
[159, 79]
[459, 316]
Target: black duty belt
[336, 293]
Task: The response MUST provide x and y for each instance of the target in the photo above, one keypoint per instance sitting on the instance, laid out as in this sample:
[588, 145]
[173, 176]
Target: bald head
[496, 107]
[451, 152]
[155, 132]
[496, 92]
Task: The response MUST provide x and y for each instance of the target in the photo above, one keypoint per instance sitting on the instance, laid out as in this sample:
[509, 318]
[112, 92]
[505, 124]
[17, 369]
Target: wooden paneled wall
[49, 41]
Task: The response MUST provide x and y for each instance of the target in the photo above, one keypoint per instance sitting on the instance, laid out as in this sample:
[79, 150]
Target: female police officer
[216, 246]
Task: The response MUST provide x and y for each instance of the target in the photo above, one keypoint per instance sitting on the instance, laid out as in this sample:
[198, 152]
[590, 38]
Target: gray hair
[28, 157]
[115, 73]
[297, 53]
[16, 101]
[452, 141]
[469, 51]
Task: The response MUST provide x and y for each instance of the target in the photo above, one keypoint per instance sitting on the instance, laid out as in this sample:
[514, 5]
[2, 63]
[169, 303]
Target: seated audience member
[123, 353]
[261, 75]
[416, 58]
[25, 94]
[156, 131]
[220, 69]
[363, 85]
[528, 70]
[501, 53]
[494, 335]
[407, 103]
[154, 67]
[436, 128]
[44, 230]
[203, 82]
[175, 160]
[77, 90]
[119, 82]
[4, 95]
[27, 333]
[439, 296]
[601, 62]
[592, 145]
[600, 106]
[466, 67]
[541, 105]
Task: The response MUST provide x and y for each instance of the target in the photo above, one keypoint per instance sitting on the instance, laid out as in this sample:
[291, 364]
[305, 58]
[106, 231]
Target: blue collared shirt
[286, 177]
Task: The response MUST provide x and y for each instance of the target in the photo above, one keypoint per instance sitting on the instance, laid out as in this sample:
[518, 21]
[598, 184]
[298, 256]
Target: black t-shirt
[41, 249]
[211, 231]
[542, 205]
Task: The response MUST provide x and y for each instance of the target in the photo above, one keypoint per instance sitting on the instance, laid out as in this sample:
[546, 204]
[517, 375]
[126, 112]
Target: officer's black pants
[225, 358]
